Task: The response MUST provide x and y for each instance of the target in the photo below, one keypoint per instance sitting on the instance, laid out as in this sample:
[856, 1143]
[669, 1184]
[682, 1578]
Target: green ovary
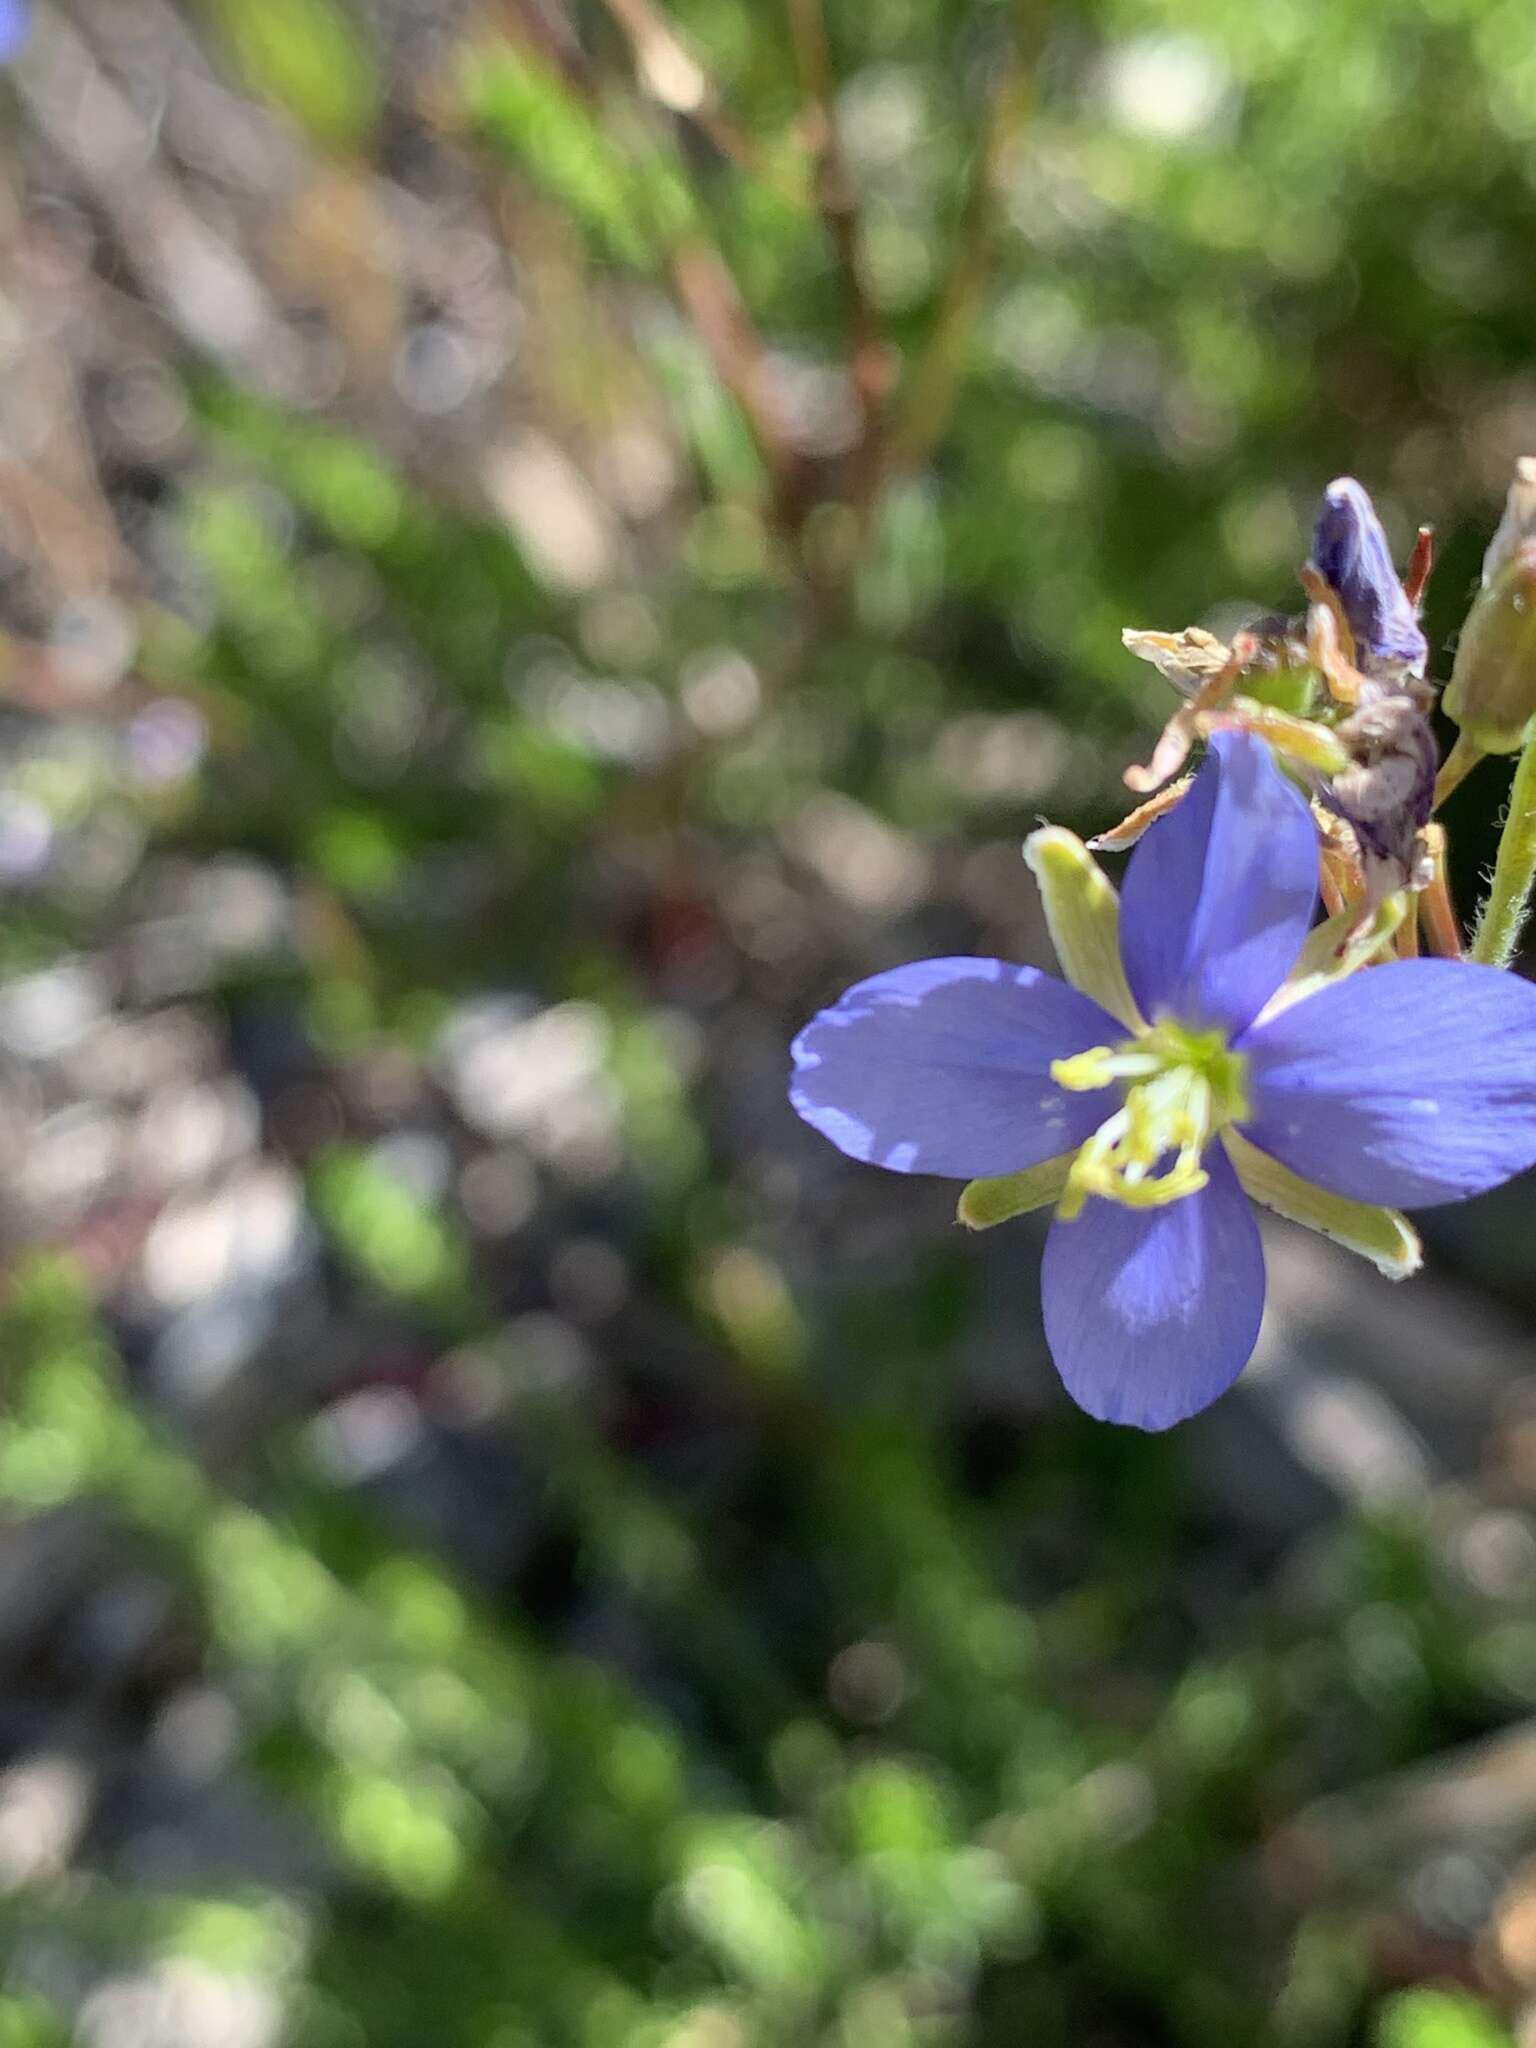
[1181, 1088]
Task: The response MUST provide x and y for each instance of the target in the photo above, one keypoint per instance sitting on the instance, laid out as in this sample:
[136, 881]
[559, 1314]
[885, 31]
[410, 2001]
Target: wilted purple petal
[1407, 1085]
[1351, 550]
[944, 1066]
[1151, 1313]
[1219, 894]
[15, 19]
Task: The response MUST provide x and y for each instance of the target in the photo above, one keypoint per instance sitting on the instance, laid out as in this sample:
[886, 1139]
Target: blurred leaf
[309, 58]
[632, 200]
[401, 1241]
[1439, 2019]
[29, 2023]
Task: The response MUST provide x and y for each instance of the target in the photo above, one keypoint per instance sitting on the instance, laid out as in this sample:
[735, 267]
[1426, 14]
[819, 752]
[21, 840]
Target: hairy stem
[1503, 915]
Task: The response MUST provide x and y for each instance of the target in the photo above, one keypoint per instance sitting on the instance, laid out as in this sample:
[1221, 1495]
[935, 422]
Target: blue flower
[1350, 549]
[1195, 1076]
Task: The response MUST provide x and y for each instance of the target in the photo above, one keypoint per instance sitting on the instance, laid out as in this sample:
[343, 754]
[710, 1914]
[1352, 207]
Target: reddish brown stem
[714, 305]
[869, 359]
[1437, 909]
[1420, 566]
[930, 397]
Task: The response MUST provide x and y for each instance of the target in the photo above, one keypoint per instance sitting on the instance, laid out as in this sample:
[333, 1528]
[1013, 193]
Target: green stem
[1503, 915]
[1460, 762]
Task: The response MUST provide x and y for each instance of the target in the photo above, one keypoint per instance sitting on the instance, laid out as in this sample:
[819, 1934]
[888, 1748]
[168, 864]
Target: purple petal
[1219, 894]
[1351, 549]
[945, 1067]
[13, 27]
[1151, 1313]
[1407, 1085]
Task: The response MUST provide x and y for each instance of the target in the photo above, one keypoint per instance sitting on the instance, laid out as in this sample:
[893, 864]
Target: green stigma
[1181, 1088]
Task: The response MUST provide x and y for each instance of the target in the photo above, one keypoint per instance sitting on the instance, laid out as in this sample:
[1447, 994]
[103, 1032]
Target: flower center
[1181, 1088]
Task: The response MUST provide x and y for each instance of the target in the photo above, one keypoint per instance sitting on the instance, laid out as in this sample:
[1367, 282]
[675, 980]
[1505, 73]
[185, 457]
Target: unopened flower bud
[1350, 550]
[1492, 691]
[1519, 522]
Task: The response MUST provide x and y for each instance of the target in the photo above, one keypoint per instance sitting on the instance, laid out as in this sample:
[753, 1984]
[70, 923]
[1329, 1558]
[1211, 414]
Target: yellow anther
[1101, 1064]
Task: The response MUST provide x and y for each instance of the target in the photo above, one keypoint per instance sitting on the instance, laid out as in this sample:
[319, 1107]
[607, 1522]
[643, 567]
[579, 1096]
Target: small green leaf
[985, 1202]
[1083, 914]
[1383, 1236]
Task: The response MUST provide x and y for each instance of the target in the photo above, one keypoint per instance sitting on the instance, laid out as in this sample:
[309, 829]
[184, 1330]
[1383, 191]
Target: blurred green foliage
[648, 565]
[1438, 2019]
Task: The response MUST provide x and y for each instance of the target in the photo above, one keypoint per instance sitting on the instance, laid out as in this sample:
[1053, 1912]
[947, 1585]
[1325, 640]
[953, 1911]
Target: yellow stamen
[1181, 1088]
